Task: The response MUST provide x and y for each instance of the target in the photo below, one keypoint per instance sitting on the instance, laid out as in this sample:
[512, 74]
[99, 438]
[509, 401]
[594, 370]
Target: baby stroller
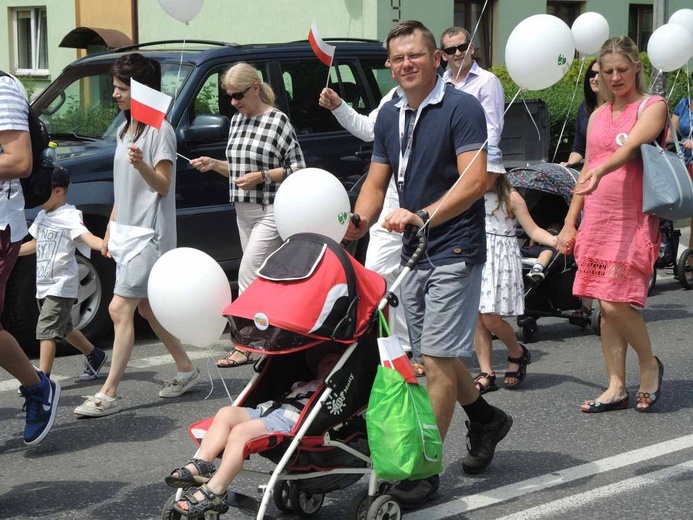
[547, 190]
[309, 294]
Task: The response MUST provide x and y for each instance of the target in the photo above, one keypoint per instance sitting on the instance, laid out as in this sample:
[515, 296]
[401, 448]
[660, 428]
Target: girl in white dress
[502, 287]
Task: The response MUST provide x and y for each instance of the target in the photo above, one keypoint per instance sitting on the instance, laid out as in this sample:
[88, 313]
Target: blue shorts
[275, 422]
[441, 306]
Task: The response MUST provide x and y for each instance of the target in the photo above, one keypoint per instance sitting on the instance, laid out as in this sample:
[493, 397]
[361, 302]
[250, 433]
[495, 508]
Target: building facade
[33, 30]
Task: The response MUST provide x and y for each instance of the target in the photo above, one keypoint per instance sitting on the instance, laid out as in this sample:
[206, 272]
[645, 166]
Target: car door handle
[364, 152]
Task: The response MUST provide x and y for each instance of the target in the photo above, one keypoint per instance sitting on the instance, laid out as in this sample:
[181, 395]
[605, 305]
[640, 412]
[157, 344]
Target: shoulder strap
[669, 124]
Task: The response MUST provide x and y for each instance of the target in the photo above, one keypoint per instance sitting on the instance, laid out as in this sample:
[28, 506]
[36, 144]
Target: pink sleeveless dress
[616, 244]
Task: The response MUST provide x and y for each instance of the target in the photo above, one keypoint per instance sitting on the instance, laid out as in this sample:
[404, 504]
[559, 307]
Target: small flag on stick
[147, 105]
[324, 51]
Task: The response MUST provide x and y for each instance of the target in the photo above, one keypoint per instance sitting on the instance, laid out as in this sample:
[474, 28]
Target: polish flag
[324, 51]
[392, 355]
[147, 105]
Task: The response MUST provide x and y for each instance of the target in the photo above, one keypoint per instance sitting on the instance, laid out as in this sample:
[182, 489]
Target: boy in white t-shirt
[58, 231]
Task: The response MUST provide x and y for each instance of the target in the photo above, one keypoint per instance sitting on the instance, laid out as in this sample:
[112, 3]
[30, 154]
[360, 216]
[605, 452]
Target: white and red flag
[147, 105]
[324, 51]
[392, 355]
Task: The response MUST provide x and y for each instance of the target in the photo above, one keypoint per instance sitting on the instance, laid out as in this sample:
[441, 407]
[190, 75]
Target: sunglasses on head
[239, 95]
[592, 74]
[462, 47]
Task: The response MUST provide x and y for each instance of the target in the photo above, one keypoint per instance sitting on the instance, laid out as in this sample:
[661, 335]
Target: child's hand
[104, 248]
[566, 239]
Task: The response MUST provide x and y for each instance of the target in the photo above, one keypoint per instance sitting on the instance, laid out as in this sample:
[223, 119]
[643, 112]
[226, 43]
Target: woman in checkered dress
[261, 152]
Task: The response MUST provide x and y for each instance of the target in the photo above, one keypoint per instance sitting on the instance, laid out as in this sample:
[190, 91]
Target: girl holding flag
[262, 151]
[142, 225]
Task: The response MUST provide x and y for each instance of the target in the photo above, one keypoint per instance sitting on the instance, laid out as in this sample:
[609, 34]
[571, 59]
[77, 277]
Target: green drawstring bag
[402, 431]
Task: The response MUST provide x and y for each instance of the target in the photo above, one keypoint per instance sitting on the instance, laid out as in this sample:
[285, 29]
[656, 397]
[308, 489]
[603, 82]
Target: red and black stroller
[309, 294]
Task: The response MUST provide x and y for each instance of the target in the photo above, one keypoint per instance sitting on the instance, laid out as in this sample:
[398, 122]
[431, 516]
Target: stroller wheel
[596, 320]
[685, 269]
[358, 510]
[653, 281]
[303, 503]
[168, 513]
[282, 495]
[528, 331]
[384, 507]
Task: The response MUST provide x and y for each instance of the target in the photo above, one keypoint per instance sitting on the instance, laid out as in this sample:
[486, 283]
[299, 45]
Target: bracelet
[287, 172]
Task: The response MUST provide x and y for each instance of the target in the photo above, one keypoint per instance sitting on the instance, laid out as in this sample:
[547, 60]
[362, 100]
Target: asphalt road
[556, 462]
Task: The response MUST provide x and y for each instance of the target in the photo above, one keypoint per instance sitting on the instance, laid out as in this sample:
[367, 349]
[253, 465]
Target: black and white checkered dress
[259, 143]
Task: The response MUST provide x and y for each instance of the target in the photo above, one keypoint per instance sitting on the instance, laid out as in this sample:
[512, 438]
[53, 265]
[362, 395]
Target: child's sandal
[197, 508]
[486, 382]
[520, 374]
[185, 478]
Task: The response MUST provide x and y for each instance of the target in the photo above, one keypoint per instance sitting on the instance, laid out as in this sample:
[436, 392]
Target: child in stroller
[232, 427]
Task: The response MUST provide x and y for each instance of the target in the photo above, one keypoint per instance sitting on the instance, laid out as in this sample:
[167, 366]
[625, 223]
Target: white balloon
[539, 51]
[182, 10]
[188, 292]
[312, 201]
[669, 47]
[590, 30]
[683, 17]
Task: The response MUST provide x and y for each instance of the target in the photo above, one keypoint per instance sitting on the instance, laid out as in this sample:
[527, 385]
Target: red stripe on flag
[403, 366]
[146, 114]
[323, 57]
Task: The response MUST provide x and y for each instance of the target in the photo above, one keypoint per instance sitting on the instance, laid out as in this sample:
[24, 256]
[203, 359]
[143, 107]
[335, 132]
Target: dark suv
[82, 117]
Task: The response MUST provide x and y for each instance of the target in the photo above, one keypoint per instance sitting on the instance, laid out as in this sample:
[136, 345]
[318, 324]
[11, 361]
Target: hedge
[558, 96]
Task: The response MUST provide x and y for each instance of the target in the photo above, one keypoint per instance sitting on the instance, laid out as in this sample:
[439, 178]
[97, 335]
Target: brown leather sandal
[486, 382]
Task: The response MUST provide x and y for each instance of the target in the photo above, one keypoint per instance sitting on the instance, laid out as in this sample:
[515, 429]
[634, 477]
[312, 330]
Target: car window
[303, 81]
[343, 80]
[82, 103]
[212, 99]
[378, 77]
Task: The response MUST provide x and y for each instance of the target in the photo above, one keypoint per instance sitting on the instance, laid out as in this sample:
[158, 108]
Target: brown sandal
[486, 382]
[228, 362]
[419, 369]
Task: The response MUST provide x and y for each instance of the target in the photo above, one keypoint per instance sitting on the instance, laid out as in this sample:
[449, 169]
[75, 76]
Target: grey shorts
[55, 319]
[441, 306]
[132, 278]
[275, 421]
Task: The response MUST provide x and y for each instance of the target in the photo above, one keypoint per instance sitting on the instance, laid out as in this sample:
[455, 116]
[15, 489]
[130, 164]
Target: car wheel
[21, 309]
[90, 312]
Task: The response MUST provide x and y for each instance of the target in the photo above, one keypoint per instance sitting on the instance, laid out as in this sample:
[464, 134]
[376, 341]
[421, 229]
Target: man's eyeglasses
[399, 60]
[239, 95]
[462, 47]
[591, 74]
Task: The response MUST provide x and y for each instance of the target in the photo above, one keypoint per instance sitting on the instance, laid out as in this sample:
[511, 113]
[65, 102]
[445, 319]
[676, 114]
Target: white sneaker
[97, 406]
[178, 386]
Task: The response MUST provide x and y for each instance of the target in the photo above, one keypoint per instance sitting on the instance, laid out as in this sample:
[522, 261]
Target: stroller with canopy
[546, 189]
[309, 294]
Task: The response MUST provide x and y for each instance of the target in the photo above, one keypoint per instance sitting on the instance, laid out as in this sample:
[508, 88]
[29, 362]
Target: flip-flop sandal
[228, 362]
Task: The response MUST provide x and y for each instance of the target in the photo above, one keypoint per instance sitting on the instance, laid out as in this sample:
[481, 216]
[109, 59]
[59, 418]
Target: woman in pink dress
[617, 244]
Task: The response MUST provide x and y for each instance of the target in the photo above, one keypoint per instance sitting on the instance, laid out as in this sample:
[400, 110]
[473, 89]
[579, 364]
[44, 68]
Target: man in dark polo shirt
[430, 139]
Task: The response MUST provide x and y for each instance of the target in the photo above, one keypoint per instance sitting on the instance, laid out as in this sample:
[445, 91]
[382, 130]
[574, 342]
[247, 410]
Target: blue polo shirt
[453, 122]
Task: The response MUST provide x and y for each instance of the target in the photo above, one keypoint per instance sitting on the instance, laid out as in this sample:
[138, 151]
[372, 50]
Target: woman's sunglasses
[239, 95]
[462, 47]
[592, 74]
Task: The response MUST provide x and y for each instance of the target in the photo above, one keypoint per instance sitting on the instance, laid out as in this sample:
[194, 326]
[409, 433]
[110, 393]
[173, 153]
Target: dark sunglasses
[239, 95]
[592, 74]
[462, 47]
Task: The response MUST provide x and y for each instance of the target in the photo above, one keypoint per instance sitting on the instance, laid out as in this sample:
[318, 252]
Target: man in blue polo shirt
[430, 139]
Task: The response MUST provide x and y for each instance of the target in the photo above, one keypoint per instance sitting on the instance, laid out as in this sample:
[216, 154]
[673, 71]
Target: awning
[83, 37]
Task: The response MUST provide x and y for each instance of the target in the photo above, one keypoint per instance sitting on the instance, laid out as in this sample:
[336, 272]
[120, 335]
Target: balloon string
[690, 115]
[673, 85]
[654, 80]
[570, 106]
[447, 194]
[471, 40]
[529, 113]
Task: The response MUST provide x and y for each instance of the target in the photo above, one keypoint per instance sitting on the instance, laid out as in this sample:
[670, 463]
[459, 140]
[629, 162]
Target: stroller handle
[413, 260]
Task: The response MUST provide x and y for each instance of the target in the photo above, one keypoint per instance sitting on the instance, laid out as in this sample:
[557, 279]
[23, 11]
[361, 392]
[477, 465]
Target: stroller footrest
[247, 507]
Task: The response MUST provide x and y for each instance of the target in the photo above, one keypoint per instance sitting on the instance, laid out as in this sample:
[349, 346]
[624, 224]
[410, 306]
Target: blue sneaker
[40, 406]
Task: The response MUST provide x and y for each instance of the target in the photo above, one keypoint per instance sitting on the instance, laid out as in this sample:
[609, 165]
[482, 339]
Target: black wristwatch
[423, 215]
